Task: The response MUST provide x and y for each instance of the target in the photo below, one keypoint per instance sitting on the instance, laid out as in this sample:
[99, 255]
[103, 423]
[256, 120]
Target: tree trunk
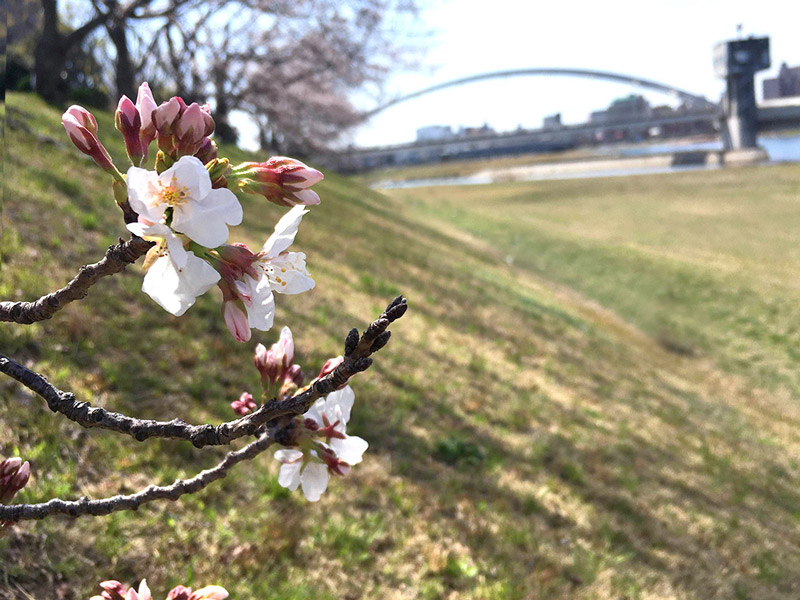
[50, 55]
[125, 75]
[50, 58]
[223, 130]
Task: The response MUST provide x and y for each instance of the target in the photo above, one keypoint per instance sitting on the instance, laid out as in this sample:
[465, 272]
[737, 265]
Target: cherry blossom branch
[356, 359]
[85, 506]
[116, 259]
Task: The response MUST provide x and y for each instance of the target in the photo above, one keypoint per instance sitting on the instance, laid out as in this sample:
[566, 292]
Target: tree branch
[84, 506]
[356, 359]
[116, 259]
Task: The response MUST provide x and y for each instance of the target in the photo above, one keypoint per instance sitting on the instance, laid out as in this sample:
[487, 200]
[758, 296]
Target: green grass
[593, 394]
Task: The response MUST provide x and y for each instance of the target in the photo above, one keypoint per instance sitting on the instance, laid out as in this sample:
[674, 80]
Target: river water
[779, 149]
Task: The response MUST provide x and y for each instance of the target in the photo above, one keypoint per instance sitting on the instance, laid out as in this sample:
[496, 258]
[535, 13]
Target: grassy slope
[525, 441]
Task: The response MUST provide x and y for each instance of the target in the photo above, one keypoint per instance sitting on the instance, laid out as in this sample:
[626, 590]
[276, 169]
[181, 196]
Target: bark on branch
[356, 359]
[116, 259]
[84, 506]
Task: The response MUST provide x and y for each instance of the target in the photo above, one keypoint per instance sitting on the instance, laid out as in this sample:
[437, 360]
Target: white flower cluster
[309, 465]
[186, 206]
[179, 207]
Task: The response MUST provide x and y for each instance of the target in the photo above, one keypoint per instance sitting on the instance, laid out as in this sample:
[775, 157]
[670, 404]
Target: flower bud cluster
[183, 130]
[185, 206]
[244, 404]
[14, 475]
[281, 180]
[81, 127]
[276, 365]
[114, 590]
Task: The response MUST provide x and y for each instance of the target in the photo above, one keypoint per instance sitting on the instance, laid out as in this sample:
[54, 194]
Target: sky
[669, 42]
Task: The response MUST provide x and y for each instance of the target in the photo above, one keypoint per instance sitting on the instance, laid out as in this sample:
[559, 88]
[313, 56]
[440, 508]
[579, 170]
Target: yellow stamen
[173, 194]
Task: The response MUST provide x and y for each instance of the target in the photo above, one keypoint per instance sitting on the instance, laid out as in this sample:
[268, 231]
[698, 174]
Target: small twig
[356, 359]
[116, 259]
[84, 506]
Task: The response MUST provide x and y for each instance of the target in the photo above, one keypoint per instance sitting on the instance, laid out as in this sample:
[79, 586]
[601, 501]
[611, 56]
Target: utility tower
[736, 61]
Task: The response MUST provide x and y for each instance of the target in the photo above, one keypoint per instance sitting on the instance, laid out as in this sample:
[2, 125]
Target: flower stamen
[173, 194]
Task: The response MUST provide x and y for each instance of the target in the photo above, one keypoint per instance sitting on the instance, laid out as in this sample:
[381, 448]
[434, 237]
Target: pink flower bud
[191, 129]
[10, 465]
[179, 593]
[266, 364]
[295, 375]
[145, 104]
[238, 256]
[113, 590]
[20, 479]
[281, 180]
[83, 117]
[75, 121]
[236, 320]
[207, 151]
[164, 117]
[15, 477]
[244, 404]
[129, 123]
[211, 592]
[330, 366]
[295, 175]
[284, 348]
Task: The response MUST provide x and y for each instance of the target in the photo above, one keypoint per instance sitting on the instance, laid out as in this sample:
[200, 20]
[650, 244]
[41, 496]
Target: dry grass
[533, 434]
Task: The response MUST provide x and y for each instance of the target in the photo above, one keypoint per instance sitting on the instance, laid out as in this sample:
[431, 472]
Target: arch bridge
[690, 98]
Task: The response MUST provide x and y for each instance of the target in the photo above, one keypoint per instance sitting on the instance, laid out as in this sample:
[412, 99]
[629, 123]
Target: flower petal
[289, 476]
[350, 449]
[314, 480]
[288, 275]
[261, 310]
[344, 399]
[206, 220]
[288, 455]
[315, 412]
[307, 197]
[285, 232]
[143, 193]
[144, 591]
[176, 288]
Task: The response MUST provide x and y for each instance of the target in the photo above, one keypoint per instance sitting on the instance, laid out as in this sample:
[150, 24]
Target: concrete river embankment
[633, 160]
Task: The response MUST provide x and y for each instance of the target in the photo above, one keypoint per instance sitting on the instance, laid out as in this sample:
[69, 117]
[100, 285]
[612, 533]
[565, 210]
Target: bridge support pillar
[737, 61]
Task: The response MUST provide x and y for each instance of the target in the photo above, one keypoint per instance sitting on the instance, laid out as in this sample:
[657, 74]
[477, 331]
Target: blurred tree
[58, 44]
[55, 46]
[290, 64]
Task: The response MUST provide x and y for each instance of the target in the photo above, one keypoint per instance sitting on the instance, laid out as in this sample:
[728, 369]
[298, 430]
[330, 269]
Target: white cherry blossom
[177, 277]
[297, 470]
[277, 271]
[334, 410]
[198, 211]
[310, 470]
[285, 271]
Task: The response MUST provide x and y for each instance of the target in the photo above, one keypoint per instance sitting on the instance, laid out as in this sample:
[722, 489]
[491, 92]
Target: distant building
[552, 122]
[476, 131]
[629, 108]
[434, 132]
[785, 85]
